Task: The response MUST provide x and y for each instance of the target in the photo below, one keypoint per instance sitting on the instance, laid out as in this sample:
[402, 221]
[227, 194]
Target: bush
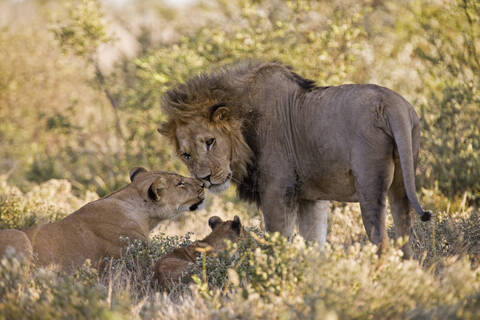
[64, 116]
[449, 94]
[44, 294]
[44, 203]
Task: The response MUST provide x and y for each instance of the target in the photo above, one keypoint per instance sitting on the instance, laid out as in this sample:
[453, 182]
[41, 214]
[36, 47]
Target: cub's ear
[136, 170]
[155, 190]
[214, 221]
[236, 224]
[219, 112]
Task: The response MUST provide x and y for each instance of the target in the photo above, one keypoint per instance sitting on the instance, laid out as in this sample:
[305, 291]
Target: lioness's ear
[236, 224]
[154, 191]
[219, 112]
[136, 170]
[214, 221]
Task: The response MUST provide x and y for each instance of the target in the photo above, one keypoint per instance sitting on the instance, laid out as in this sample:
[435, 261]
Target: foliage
[450, 88]
[43, 294]
[44, 203]
[264, 276]
[83, 30]
[70, 125]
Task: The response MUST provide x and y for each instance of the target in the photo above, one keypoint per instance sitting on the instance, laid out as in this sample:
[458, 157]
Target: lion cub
[95, 230]
[173, 265]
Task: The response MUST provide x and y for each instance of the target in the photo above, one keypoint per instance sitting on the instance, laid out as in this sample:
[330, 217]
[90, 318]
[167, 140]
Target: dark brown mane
[228, 86]
[198, 94]
[201, 92]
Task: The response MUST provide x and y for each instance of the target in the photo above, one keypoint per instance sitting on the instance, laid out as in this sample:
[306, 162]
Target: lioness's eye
[186, 156]
[180, 184]
[210, 143]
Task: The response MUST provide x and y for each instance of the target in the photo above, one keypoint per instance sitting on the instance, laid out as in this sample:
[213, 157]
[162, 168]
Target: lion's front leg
[279, 205]
[312, 220]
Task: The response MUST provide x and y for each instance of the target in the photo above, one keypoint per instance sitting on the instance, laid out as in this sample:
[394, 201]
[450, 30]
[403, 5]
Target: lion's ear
[214, 221]
[136, 170]
[155, 190]
[219, 112]
[166, 129]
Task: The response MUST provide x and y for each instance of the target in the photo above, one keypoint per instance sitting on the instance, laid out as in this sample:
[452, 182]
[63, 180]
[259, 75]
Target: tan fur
[95, 230]
[18, 240]
[172, 266]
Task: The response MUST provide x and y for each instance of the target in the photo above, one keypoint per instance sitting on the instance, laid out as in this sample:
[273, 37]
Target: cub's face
[224, 230]
[167, 194]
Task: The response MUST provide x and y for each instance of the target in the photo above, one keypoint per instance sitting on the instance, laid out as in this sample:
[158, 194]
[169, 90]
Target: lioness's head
[224, 230]
[167, 193]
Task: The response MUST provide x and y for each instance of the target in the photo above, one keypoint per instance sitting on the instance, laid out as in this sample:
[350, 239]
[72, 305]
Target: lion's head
[205, 146]
[206, 122]
[168, 193]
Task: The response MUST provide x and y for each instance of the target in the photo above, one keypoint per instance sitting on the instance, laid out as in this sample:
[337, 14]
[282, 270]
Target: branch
[102, 83]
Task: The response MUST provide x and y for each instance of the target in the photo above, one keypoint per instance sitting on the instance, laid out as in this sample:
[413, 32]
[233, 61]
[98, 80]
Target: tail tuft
[426, 216]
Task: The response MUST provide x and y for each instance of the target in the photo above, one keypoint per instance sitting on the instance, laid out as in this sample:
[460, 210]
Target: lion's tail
[401, 125]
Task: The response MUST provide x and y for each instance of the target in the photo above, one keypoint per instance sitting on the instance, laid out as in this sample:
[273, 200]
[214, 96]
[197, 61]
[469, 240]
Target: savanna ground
[80, 88]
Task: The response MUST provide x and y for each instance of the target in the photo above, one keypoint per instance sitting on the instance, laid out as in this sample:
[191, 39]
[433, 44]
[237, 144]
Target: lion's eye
[180, 184]
[210, 142]
[186, 156]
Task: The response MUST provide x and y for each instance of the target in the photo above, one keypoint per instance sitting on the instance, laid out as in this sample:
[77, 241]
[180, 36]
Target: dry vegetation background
[80, 86]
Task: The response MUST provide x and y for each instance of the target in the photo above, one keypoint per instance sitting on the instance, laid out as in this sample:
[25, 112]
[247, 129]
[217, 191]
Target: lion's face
[206, 151]
[167, 193]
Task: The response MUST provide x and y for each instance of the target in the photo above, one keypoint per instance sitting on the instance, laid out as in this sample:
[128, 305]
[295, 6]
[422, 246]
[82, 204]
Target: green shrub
[446, 37]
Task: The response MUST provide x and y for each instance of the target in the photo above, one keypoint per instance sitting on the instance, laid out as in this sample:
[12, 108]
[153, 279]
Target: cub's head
[224, 230]
[167, 194]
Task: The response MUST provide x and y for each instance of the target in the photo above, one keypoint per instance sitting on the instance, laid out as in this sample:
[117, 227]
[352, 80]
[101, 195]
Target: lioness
[290, 145]
[172, 266]
[94, 231]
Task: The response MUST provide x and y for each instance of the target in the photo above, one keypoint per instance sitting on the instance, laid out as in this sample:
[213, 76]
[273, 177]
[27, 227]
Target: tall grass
[265, 276]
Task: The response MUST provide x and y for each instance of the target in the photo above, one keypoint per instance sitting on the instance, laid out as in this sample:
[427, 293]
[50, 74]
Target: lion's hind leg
[373, 177]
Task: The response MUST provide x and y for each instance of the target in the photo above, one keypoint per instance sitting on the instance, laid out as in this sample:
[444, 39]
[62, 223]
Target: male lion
[289, 144]
[172, 266]
[95, 230]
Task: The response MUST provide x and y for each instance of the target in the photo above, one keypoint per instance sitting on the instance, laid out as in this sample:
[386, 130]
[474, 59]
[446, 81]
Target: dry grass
[265, 277]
